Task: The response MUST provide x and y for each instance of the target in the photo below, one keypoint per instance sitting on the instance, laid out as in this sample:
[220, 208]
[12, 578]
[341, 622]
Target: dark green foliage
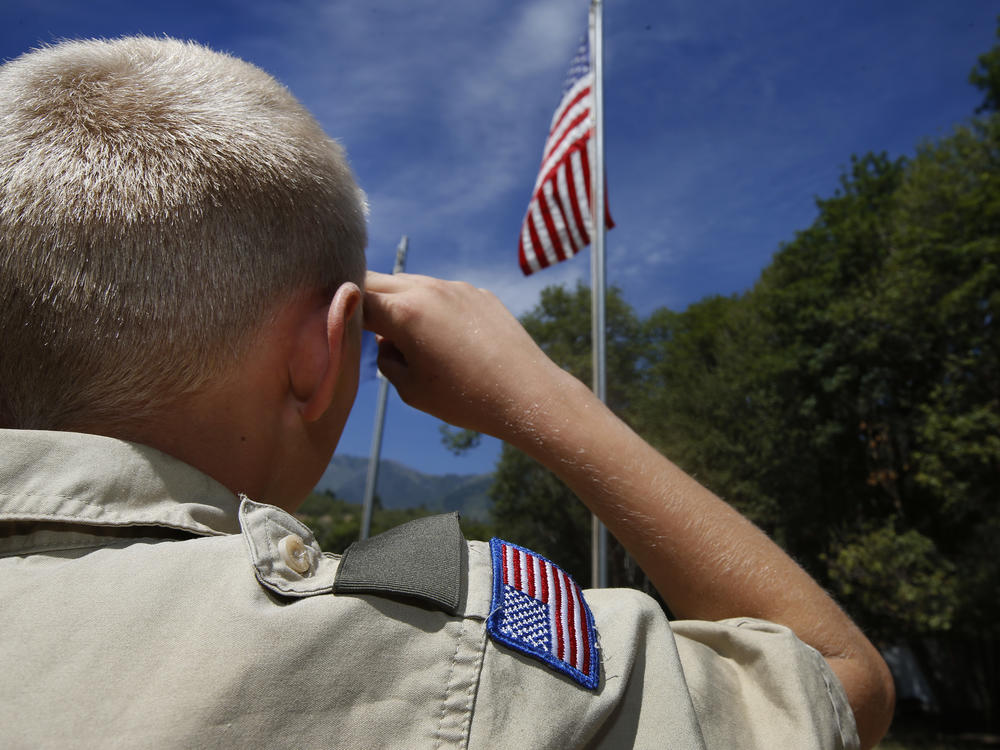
[837, 384]
[560, 323]
[533, 508]
[706, 387]
[849, 402]
[986, 77]
[886, 578]
[459, 441]
[530, 505]
[337, 523]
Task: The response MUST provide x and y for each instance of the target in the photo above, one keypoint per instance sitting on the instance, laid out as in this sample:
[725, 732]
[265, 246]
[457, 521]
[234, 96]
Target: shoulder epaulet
[422, 559]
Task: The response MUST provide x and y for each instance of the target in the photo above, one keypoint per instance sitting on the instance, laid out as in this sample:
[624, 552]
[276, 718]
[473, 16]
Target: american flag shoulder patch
[539, 610]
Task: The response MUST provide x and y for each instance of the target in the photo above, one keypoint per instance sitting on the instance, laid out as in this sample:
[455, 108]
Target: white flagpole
[599, 535]
[383, 395]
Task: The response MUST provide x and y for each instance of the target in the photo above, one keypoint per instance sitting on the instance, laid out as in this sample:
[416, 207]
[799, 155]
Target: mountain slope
[399, 486]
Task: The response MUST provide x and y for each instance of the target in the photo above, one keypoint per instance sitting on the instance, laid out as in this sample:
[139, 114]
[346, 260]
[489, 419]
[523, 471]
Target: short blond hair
[158, 202]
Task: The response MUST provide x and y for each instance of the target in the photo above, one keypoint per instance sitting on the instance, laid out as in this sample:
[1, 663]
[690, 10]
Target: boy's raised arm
[455, 352]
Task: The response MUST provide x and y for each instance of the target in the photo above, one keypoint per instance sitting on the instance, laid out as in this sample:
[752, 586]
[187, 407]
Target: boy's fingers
[391, 362]
[387, 282]
[376, 311]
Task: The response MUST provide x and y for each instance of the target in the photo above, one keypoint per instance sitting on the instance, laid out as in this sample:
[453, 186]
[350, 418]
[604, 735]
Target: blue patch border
[590, 681]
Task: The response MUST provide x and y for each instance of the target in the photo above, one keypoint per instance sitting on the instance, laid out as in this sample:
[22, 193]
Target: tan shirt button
[293, 552]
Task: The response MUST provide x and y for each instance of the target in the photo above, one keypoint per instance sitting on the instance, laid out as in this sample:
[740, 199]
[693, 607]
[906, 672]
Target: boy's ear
[321, 352]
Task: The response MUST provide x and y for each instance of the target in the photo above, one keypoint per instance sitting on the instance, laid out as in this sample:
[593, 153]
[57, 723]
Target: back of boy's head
[158, 203]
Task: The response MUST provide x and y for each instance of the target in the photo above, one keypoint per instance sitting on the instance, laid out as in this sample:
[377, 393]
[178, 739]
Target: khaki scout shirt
[144, 605]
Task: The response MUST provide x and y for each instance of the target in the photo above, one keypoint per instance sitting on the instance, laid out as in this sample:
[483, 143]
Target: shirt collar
[100, 481]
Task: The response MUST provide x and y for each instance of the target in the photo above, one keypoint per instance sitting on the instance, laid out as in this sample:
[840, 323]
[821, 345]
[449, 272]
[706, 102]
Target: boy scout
[181, 268]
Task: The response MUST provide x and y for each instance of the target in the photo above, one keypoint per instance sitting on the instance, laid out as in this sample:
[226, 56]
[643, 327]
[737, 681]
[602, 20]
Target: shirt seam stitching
[444, 698]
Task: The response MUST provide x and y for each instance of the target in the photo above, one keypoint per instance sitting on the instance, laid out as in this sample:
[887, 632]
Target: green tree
[705, 392]
[986, 77]
[458, 441]
[943, 293]
[840, 393]
[894, 581]
[336, 523]
[560, 325]
[530, 505]
[767, 397]
[848, 402]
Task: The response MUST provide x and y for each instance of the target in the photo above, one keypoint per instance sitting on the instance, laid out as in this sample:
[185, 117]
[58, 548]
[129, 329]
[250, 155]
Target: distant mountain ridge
[399, 486]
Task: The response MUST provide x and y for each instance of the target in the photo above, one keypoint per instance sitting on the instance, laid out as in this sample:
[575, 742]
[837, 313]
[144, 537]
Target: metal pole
[383, 396]
[599, 534]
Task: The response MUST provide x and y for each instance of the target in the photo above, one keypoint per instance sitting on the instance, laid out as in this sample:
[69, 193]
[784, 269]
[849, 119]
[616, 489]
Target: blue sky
[724, 121]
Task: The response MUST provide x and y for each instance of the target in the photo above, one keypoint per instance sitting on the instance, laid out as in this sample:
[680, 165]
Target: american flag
[559, 220]
[539, 610]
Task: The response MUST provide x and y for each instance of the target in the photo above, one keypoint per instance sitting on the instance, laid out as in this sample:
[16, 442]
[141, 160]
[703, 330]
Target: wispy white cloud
[520, 294]
[471, 96]
[719, 116]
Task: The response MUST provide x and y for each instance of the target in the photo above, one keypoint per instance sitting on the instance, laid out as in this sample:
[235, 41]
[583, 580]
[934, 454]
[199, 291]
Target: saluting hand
[456, 352]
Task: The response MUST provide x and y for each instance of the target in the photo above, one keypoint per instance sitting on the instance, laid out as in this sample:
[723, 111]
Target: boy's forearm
[707, 561]
[679, 531]
[455, 352]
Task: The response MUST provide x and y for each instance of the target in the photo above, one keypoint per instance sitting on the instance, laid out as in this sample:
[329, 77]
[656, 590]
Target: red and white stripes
[558, 221]
[568, 624]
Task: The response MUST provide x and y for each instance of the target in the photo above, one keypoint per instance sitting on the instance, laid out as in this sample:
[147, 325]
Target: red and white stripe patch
[553, 623]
